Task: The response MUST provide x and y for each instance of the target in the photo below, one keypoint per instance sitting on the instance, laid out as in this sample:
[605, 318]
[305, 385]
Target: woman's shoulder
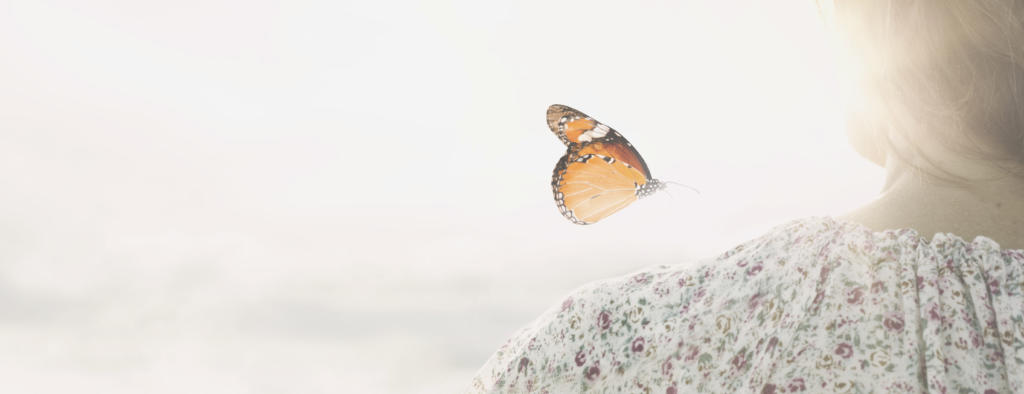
[789, 245]
[775, 302]
[795, 245]
[606, 332]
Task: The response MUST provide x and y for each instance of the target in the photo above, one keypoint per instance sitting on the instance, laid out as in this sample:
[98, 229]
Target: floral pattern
[815, 305]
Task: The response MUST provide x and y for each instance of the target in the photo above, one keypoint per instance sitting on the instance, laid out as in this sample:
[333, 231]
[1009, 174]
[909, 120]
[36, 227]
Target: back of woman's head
[950, 71]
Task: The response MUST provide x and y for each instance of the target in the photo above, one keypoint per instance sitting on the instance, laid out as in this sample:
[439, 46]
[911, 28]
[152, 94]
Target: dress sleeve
[605, 336]
[813, 306]
[666, 329]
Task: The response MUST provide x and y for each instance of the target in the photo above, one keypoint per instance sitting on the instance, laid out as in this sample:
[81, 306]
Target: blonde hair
[948, 70]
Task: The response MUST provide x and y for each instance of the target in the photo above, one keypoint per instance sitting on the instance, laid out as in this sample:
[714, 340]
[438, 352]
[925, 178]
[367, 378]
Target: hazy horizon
[313, 196]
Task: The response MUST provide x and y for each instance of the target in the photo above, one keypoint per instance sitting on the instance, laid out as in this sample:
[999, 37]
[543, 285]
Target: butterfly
[600, 172]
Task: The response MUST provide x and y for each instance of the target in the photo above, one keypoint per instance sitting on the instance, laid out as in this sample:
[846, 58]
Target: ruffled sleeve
[813, 305]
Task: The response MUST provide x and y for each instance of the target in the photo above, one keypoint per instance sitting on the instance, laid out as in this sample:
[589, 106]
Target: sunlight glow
[321, 196]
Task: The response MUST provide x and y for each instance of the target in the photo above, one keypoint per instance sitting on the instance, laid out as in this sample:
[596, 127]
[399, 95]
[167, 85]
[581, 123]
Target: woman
[864, 303]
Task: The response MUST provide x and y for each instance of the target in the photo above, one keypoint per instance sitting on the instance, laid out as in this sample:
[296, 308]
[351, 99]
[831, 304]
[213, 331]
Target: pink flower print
[844, 350]
[604, 320]
[592, 373]
[797, 384]
[638, 344]
[855, 296]
[933, 312]
[754, 301]
[877, 287]
[523, 363]
[666, 367]
[581, 358]
[819, 297]
[692, 355]
[966, 316]
[771, 344]
[672, 390]
[894, 323]
[824, 274]
[754, 270]
[768, 389]
[740, 360]
[993, 286]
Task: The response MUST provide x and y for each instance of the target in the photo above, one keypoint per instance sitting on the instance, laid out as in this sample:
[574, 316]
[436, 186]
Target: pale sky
[319, 196]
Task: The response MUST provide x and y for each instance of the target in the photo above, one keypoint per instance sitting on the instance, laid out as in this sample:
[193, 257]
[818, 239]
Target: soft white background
[230, 196]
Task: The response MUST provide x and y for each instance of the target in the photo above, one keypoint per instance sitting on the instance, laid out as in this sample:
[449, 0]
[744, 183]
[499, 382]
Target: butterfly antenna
[680, 184]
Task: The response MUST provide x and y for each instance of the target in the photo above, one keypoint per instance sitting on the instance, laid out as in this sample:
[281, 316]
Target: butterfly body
[600, 173]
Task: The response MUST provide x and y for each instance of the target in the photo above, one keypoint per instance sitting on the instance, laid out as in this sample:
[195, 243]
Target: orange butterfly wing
[600, 173]
[592, 187]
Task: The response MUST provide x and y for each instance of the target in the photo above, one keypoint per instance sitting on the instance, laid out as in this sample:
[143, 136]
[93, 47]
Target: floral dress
[815, 305]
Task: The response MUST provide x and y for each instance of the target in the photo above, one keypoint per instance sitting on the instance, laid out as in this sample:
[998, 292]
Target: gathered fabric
[814, 305]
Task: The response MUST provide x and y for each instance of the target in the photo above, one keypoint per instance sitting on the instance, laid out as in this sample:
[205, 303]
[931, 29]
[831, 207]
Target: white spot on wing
[598, 131]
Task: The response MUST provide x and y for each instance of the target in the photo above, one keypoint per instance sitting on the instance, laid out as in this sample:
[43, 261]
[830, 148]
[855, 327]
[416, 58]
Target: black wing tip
[558, 108]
